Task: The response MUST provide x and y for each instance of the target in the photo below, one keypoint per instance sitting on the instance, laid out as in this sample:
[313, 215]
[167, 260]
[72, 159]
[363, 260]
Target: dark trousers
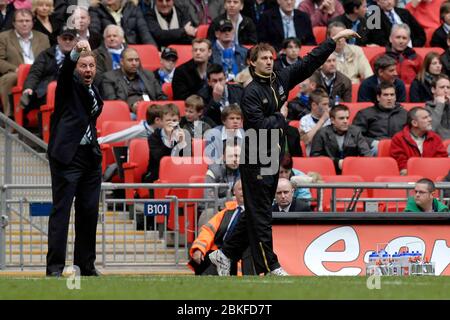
[80, 179]
[255, 224]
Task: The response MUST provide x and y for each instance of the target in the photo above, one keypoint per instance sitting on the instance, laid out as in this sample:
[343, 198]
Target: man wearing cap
[18, 46]
[226, 52]
[45, 69]
[165, 73]
[131, 83]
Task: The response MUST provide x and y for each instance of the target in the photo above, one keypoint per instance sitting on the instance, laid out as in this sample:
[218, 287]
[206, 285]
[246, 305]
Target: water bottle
[372, 265]
[395, 264]
[336, 100]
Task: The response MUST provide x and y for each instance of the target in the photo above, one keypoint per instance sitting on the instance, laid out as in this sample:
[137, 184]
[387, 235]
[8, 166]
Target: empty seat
[304, 50]
[16, 92]
[371, 52]
[322, 165]
[320, 33]
[393, 206]
[202, 31]
[342, 205]
[138, 157]
[47, 110]
[143, 105]
[384, 147]
[148, 54]
[113, 110]
[422, 51]
[184, 52]
[430, 168]
[370, 167]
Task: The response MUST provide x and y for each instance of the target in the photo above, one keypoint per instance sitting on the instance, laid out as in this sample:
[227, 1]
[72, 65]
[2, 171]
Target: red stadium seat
[320, 33]
[148, 54]
[397, 206]
[47, 110]
[322, 165]
[341, 206]
[109, 127]
[430, 168]
[429, 34]
[184, 52]
[138, 157]
[304, 50]
[294, 123]
[407, 89]
[143, 105]
[355, 89]
[422, 52]
[384, 147]
[372, 51]
[294, 92]
[113, 110]
[409, 105]
[370, 167]
[167, 89]
[202, 31]
[16, 92]
[354, 107]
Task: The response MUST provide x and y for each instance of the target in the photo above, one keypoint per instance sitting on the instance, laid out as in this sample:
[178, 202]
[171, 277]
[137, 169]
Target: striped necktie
[88, 136]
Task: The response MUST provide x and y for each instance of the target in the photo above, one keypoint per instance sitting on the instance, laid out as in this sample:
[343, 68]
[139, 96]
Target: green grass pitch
[232, 288]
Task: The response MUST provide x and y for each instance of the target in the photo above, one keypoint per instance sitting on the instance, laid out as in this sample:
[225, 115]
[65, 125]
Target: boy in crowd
[194, 118]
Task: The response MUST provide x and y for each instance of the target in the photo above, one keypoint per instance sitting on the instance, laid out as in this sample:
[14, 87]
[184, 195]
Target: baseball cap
[169, 53]
[224, 25]
[65, 31]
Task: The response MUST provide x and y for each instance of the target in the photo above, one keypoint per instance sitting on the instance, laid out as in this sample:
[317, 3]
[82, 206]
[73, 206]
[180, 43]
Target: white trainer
[278, 272]
[221, 262]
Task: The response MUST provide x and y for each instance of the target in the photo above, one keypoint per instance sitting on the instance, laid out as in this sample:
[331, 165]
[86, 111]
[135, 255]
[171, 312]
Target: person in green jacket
[423, 200]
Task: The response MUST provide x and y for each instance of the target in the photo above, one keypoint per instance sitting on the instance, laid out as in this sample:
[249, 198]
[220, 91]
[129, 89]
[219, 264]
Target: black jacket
[381, 36]
[104, 62]
[246, 33]
[212, 108]
[439, 38]
[186, 81]
[250, 11]
[6, 21]
[325, 144]
[132, 22]
[264, 96]
[378, 123]
[297, 205]
[43, 71]
[421, 91]
[166, 37]
[445, 60]
[365, 33]
[293, 142]
[368, 90]
[270, 28]
[114, 86]
[72, 115]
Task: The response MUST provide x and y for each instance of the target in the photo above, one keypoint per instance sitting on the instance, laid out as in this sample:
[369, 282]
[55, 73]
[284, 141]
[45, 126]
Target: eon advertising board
[343, 250]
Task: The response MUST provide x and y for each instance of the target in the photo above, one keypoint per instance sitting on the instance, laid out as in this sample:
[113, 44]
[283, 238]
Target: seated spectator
[194, 122]
[255, 8]
[439, 38]
[108, 54]
[431, 68]
[340, 139]
[287, 172]
[285, 200]
[190, 77]
[218, 94]
[202, 11]
[243, 27]
[283, 22]
[165, 141]
[416, 139]
[230, 132]
[350, 59]
[300, 106]
[439, 107]
[321, 11]
[337, 85]
[390, 16]
[169, 58]
[143, 129]
[226, 52]
[289, 54]
[169, 25]
[244, 77]
[385, 71]
[15, 51]
[424, 198]
[121, 13]
[131, 83]
[45, 70]
[318, 118]
[426, 12]
[408, 61]
[82, 23]
[213, 234]
[6, 15]
[354, 18]
[383, 120]
[44, 21]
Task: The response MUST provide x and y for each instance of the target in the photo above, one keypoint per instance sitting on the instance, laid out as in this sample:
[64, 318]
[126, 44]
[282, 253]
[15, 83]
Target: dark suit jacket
[246, 33]
[114, 86]
[270, 28]
[297, 205]
[368, 90]
[6, 21]
[342, 86]
[381, 36]
[365, 33]
[293, 142]
[72, 114]
[439, 38]
[186, 81]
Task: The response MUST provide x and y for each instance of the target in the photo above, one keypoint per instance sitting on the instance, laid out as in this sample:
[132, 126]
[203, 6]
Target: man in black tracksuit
[264, 107]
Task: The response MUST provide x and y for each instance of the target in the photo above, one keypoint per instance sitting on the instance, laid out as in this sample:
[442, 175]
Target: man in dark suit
[285, 200]
[391, 15]
[131, 83]
[284, 22]
[75, 162]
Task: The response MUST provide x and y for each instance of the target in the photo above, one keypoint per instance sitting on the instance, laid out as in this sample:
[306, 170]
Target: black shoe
[91, 273]
[55, 274]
